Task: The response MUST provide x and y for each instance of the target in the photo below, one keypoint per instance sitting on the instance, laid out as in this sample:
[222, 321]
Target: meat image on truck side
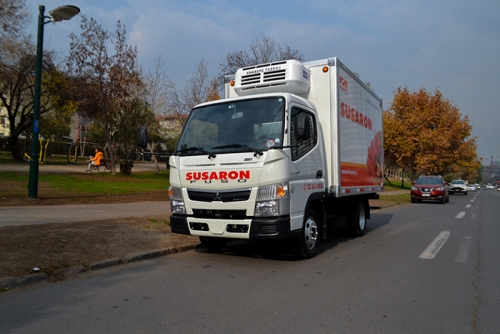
[293, 151]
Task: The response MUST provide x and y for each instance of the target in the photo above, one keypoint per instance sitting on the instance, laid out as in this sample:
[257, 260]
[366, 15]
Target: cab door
[307, 164]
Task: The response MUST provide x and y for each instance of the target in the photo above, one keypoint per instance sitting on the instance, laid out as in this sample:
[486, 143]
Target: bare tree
[195, 92]
[196, 89]
[263, 50]
[158, 85]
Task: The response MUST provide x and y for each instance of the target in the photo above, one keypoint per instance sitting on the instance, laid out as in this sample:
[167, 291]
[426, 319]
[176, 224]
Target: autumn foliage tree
[426, 133]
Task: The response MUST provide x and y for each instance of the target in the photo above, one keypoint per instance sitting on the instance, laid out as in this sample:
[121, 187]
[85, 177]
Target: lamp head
[64, 13]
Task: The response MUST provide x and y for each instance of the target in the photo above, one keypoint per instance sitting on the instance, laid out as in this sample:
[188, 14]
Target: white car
[458, 186]
[471, 187]
[489, 186]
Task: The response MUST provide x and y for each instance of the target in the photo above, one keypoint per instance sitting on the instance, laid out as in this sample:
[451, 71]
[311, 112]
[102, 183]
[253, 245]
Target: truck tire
[307, 244]
[357, 219]
[213, 244]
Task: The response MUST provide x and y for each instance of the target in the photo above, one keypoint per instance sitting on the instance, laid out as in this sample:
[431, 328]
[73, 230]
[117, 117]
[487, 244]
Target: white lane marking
[473, 216]
[463, 250]
[467, 206]
[430, 252]
[460, 215]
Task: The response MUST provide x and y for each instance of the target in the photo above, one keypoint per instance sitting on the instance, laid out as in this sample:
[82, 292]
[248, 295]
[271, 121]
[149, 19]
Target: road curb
[9, 283]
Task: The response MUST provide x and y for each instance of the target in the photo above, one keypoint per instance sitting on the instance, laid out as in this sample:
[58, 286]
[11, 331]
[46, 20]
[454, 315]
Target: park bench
[105, 163]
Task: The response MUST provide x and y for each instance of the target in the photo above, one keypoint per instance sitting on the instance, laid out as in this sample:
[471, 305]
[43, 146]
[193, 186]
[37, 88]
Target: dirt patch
[57, 249]
[61, 250]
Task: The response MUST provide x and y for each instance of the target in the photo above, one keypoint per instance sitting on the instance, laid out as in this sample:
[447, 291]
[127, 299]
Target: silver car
[471, 187]
[458, 186]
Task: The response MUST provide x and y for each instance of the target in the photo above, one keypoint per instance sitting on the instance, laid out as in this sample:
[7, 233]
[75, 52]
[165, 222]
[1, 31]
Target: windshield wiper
[199, 149]
[235, 145]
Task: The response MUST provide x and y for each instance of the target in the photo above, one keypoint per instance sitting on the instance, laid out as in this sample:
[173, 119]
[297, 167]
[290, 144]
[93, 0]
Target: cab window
[307, 144]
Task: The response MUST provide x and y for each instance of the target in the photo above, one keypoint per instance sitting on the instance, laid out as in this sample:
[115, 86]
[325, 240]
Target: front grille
[219, 214]
[426, 190]
[222, 196]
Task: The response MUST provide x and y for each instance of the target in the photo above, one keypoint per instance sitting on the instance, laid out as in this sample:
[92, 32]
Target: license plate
[426, 195]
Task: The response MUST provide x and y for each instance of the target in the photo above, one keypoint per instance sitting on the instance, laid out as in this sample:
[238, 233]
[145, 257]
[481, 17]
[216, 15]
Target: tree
[158, 85]
[197, 90]
[17, 81]
[107, 84]
[127, 121]
[426, 133]
[59, 96]
[212, 92]
[13, 18]
[263, 50]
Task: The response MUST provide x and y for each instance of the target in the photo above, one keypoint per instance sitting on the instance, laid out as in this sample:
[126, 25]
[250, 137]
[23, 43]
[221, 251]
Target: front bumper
[250, 229]
[457, 190]
[428, 196]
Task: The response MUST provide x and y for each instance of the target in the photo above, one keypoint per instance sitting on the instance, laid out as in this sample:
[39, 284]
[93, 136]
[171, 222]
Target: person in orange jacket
[95, 160]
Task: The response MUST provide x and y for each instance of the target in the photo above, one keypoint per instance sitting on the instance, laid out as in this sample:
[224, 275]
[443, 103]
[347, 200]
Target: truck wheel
[307, 244]
[213, 244]
[357, 219]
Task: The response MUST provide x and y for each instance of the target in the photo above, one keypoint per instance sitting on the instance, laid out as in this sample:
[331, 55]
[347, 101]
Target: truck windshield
[237, 126]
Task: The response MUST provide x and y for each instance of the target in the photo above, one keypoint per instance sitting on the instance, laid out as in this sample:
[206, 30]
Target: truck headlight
[176, 200]
[272, 200]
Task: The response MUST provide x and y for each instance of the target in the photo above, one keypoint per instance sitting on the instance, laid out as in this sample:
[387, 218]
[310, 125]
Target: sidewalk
[34, 215]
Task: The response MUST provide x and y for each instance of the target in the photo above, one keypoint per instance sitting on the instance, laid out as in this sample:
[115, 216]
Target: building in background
[491, 171]
[4, 123]
[171, 125]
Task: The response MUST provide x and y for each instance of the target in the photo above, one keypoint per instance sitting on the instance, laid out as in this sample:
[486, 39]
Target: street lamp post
[58, 14]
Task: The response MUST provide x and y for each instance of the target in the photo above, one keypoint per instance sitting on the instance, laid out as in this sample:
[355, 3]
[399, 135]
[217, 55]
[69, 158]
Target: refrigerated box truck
[294, 151]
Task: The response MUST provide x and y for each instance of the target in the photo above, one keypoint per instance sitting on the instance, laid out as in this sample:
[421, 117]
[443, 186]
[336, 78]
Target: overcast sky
[450, 45]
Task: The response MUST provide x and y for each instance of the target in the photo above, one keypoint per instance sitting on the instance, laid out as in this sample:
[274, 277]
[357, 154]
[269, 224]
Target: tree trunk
[402, 178]
[150, 147]
[14, 148]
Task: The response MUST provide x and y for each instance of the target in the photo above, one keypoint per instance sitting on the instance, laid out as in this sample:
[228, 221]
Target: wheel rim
[310, 233]
[362, 219]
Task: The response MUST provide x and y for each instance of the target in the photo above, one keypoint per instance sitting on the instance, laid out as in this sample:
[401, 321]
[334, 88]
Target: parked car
[489, 186]
[430, 188]
[458, 186]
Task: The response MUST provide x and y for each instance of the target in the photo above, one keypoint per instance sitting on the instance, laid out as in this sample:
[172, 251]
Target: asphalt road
[421, 268]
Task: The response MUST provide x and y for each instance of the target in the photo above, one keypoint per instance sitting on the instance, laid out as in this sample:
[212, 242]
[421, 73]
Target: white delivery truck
[294, 151]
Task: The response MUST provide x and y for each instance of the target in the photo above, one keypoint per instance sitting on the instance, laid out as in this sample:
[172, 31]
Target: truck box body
[294, 150]
[351, 117]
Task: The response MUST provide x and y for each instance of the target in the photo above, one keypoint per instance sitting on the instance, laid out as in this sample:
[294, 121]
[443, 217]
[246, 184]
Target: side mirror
[302, 126]
[142, 137]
